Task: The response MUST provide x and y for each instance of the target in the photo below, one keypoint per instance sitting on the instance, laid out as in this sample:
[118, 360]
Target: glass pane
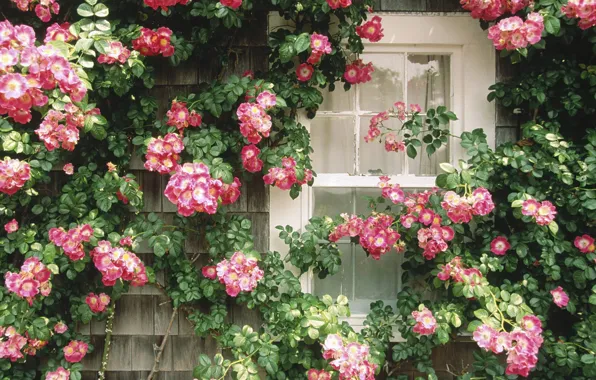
[374, 159]
[425, 165]
[332, 201]
[362, 206]
[429, 80]
[375, 280]
[386, 86]
[338, 100]
[333, 143]
[341, 282]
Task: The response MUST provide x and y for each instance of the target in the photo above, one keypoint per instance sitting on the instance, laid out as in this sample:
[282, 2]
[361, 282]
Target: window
[428, 60]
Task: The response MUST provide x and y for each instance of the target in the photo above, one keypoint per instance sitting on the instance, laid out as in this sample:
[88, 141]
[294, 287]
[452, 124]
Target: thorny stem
[101, 375]
[155, 369]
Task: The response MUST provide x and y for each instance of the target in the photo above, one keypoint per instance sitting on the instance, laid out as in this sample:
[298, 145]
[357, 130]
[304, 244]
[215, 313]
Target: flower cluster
[164, 4]
[152, 43]
[285, 177]
[180, 117]
[45, 68]
[350, 360]
[358, 72]
[560, 298]
[12, 226]
[192, 189]
[59, 32]
[456, 272]
[319, 45]
[318, 374]
[585, 244]
[585, 10]
[234, 4]
[58, 374]
[434, 239]
[33, 279]
[371, 30]
[392, 192]
[116, 262]
[493, 9]
[75, 351]
[513, 33]
[426, 324]
[499, 246]
[72, 241]
[461, 209]
[163, 153]
[61, 129]
[43, 10]
[97, 303]
[114, 52]
[11, 344]
[239, 274]
[543, 213]
[336, 4]
[255, 123]
[250, 158]
[521, 344]
[392, 143]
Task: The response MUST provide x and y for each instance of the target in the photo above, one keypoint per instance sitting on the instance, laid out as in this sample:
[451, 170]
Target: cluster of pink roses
[234, 4]
[255, 123]
[114, 52]
[434, 239]
[11, 344]
[45, 68]
[13, 175]
[377, 236]
[97, 303]
[499, 246]
[513, 33]
[117, 263]
[350, 360]
[358, 72]
[59, 374]
[585, 244]
[285, 177]
[250, 158]
[585, 10]
[75, 351]
[59, 32]
[163, 153]
[335, 4]
[152, 43]
[43, 9]
[72, 241]
[239, 274]
[319, 45]
[192, 190]
[461, 209]
[455, 271]
[318, 374]
[33, 279]
[522, 344]
[543, 213]
[180, 117]
[164, 4]
[371, 30]
[61, 129]
[489, 10]
[426, 324]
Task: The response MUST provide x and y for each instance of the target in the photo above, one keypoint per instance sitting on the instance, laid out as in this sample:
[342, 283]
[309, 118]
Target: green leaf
[411, 151]
[100, 10]
[552, 24]
[302, 43]
[447, 167]
[85, 10]
[286, 52]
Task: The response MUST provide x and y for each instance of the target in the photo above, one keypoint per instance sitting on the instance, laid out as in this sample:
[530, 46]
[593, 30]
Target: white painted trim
[473, 70]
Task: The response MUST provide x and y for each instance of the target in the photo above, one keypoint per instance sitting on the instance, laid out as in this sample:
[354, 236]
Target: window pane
[425, 165]
[374, 159]
[429, 80]
[375, 280]
[362, 205]
[332, 201]
[338, 100]
[341, 282]
[386, 86]
[333, 143]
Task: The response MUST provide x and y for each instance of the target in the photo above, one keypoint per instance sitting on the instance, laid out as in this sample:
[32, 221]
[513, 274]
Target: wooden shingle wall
[142, 316]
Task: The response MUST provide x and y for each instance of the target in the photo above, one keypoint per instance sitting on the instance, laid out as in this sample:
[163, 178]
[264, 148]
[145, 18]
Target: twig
[101, 375]
[155, 369]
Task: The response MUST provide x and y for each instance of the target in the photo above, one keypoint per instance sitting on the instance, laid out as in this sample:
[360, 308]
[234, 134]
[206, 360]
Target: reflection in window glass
[429, 80]
[333, 143]
[386, 86]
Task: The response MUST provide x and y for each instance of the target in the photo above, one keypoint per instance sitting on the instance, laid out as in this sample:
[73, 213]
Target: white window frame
[473, 70]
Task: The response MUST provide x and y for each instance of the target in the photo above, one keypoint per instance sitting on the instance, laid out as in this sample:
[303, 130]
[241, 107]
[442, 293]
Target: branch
[155, 369]
[101, 375]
